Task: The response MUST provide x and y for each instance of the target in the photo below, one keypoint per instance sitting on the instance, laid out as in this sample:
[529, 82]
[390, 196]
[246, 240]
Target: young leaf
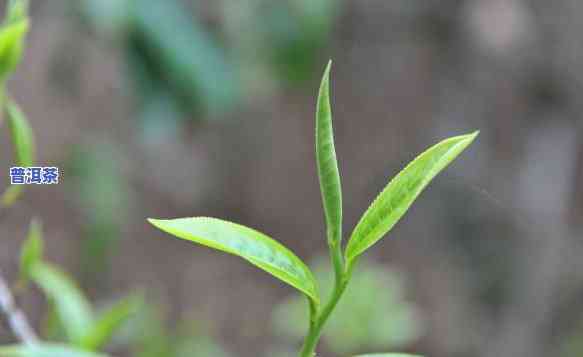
[21, 133]
[71, 305]
[112, 319]
[32, 250]
[327, 163]
[12, 36]
[23, 142]
[392, 203]
[45, 350]
[249, 244]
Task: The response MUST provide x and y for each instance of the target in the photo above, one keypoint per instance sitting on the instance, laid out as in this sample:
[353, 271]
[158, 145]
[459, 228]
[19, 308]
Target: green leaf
[11, 45]
[45, 350]
[249, 244]
[23, 142]
[327, 163]
[388, 355]
[71, 305]
[111, 320]
[32, 250]
[21, 133]
[392, 203]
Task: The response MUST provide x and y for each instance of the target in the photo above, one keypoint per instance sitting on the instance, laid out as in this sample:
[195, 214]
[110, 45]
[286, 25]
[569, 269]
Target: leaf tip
[155, 222]
[473, 134]
[465, 139]
[327, 70]
[469, 138]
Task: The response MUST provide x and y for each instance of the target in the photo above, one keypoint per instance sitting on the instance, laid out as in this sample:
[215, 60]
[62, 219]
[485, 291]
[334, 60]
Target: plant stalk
[319, 319]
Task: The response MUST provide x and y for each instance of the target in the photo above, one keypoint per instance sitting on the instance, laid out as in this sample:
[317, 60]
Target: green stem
[319, 319]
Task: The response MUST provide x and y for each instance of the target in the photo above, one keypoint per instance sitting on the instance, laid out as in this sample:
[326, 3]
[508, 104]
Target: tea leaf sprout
[382, 215]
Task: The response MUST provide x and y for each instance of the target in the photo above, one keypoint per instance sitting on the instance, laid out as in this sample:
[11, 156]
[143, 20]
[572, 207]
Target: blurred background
[182, 107]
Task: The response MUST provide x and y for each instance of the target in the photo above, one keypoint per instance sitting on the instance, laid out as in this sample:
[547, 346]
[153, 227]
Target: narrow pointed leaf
[23, 142]
[392, 203]
[21, 133]
[71, 305]
[32, 250]
[327, 163]
[11, 45]
[249, 244]
[109, 322]
[45, 350]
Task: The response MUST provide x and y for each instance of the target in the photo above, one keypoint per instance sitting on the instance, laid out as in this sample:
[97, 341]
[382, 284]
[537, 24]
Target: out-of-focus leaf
[70, 304]
[249, 244]
[45, 350]
[23, 142]
[327, 163]
[184, 55]
[104, 327]
[21, 133]
[12, 34]
[32, 250]
[100, 192]
[296, 32]
[394, 201]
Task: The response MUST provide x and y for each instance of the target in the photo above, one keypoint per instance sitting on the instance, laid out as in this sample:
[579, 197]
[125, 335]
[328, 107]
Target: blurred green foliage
[374, 313]
[100, 191]
[284, 39]
[183, 65]
[72, 319]
[13, 31]
[150, 335]
[76, 329]
[31, 252]
[172, 59]
[23, 143]
[73, 325]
